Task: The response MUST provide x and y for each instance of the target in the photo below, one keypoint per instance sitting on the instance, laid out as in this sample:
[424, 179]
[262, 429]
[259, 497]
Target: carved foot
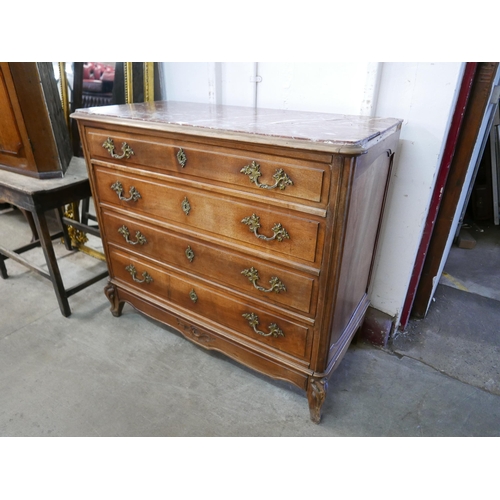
[316, 395]
[116, 305]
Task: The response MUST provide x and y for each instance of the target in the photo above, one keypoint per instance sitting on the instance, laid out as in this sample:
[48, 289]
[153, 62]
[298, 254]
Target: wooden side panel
[10, 138]
[43, 116]
[365, 206]
[15, 151]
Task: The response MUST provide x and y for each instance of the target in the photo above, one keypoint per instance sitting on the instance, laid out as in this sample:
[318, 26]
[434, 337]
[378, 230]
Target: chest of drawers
[251, 232]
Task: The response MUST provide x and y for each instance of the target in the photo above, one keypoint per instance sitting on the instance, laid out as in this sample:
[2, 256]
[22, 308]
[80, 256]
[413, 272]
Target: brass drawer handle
[109, 146]
[253, 172]
[181, 158]
[139, 237]
[252, 274]
[133, 271]
[253, 321]
[193, 296]
[253, 223]
[117, 187]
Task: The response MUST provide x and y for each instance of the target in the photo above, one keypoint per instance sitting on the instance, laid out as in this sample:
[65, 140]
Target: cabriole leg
[316, 395]
[116, 305]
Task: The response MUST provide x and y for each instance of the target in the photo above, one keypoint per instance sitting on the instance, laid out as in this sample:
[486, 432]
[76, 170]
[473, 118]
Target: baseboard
[376, 328]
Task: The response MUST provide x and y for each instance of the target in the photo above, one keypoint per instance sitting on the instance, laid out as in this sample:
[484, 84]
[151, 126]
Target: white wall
[422, 94]
[328, 87]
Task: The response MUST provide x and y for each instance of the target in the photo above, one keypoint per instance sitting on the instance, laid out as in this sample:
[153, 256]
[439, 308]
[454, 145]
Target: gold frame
[149, 82]
[129, 85]
[63, 82]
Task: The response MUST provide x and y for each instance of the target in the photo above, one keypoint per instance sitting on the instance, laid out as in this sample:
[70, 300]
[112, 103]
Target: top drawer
[268, 175]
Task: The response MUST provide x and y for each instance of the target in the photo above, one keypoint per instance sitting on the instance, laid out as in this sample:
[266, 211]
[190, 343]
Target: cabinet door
[15, 150]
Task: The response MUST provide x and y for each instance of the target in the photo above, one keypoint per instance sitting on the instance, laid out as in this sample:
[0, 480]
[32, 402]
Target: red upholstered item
[98, 77]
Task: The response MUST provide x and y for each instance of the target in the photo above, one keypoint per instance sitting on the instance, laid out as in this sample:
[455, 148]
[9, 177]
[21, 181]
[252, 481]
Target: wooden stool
[37, 196]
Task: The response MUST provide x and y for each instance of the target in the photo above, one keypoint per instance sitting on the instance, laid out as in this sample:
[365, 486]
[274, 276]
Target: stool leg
[85, 211]
[64, 228]
[50, 257]
[3, 269]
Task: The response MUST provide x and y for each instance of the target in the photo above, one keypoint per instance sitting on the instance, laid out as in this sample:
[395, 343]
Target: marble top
[325, 131]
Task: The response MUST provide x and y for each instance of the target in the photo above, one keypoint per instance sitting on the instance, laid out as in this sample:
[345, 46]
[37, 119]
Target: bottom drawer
[185, 293]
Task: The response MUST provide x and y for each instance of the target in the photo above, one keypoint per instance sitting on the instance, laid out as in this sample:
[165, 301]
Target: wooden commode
[250, 231]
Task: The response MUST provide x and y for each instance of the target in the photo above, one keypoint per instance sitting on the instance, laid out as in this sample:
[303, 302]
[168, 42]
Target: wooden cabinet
[34, 139]
[251, 232]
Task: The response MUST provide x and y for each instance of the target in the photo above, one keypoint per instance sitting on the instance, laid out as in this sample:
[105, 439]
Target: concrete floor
[95, 375]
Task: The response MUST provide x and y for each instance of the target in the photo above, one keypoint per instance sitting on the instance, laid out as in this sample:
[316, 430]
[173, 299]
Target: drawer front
[189, 295]
[221, 216]
[269, 175]
[248, 275]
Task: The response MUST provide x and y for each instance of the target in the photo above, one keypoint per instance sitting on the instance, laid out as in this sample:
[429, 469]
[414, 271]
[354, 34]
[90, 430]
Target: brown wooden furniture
[38, 196]
[251, 232]
[34, 137]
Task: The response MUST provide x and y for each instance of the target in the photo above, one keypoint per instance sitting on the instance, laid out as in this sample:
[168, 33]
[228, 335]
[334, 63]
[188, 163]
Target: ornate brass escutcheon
[186, 207]
[139, 237]
[133, 272]
[117, 187]
[193, 296]
[253, 172]
[253, 222]
[252, 274]
[189, 254]
[109, 146]
[253, 321]
[181, 158]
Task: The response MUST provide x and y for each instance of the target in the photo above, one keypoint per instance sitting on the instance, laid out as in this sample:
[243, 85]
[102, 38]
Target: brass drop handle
[253, 223]
[133, 272]
[252, 274]
[253, 172]
[139, 237]
[117, 187]
[109, 146]
[253, 321]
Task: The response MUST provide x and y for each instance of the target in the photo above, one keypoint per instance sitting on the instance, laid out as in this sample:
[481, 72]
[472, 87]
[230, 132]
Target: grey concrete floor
[95, 375]
[476, 270]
